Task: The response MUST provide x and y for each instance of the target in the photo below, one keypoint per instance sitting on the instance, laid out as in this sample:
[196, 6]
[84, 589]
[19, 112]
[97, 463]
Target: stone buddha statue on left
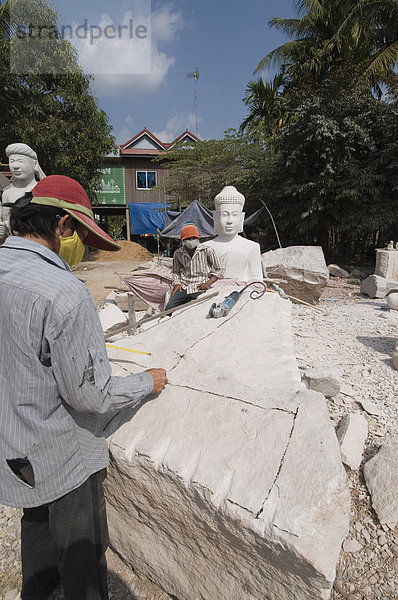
[26, 171]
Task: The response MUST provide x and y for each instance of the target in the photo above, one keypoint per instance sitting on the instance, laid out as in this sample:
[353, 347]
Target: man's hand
[176, 288]
[206, 285]
[159, 379]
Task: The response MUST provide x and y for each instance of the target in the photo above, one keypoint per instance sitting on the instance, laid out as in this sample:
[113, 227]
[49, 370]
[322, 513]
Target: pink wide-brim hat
[67, 194]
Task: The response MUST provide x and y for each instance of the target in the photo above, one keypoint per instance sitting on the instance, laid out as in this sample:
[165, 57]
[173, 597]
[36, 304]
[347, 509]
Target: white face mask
[190, 244]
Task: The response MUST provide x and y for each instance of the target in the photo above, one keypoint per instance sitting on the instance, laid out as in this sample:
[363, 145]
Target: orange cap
[189, 231]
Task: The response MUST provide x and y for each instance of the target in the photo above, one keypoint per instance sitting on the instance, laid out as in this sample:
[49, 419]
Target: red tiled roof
[142, 151]
[124, 150]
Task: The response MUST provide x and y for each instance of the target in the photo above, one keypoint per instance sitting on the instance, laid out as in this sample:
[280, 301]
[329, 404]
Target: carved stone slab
[230, 483]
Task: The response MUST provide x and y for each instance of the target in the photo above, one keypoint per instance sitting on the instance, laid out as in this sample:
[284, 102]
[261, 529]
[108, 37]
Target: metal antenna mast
[195, 76]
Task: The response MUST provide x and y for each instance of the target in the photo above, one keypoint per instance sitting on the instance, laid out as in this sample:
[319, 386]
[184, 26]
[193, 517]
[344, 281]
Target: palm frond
[288, 26]
[281, 55]
[383, 63]
[312, 6]
[11, 16]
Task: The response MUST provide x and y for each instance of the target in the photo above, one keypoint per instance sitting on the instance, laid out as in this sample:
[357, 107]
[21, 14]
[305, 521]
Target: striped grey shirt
[56, 389]
[190, 272]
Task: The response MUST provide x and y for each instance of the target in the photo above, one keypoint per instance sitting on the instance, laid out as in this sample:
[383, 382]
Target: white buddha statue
[26, 171]
[240, 258]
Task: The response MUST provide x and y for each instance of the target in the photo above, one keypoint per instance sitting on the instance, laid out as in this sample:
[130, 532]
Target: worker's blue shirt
[56, 389]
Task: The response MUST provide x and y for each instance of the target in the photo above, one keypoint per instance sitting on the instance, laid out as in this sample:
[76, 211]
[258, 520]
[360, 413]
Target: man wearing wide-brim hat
[57, 393]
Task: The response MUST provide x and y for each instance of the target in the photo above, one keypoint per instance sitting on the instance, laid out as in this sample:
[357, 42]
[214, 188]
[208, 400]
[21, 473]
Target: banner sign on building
[112, 191]
[146, 217]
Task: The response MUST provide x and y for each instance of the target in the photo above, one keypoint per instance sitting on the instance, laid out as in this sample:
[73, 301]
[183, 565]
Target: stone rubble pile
[357, 338]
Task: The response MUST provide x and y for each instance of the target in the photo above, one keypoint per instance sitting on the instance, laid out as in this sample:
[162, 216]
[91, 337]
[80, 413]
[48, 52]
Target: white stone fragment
[326, 380]
[377, 287]
[381, 477]
[111, 298]
[358, 274]
[111, 317]
[352, 546]
[337, 271]
[392, 300]
[230, 483]
[352, 433]
[370, 407]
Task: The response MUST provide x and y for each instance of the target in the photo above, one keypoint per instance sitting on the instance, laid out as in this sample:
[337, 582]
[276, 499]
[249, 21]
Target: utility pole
[195, 76]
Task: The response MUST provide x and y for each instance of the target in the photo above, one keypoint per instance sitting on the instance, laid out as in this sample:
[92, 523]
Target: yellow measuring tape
[127, 349]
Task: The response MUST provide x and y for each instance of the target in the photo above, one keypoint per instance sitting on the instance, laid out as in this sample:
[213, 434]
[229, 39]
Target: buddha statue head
[229, 215]
[23, 164]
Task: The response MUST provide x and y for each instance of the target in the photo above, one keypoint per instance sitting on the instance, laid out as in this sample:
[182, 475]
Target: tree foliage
[335, 170]
[334, 33]
[266, 107]
[50, 106]
[202, 170]
[332, 162]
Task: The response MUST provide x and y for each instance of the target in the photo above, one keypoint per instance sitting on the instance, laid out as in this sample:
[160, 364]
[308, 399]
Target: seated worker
[195, 268]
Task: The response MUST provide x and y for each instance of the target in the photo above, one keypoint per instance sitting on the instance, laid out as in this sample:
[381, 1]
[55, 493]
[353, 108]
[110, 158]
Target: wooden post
[131, 309]
[128, 224]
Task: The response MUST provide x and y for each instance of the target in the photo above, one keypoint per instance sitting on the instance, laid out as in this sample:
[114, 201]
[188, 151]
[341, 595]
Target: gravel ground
[356, 335]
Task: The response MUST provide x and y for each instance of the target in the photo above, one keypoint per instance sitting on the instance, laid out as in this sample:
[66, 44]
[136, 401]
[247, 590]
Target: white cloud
[165, 23]
[124, 63]
[127, 131]
[175, 126]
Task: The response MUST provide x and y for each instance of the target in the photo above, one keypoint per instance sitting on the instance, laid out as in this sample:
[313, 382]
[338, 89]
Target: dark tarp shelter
[201, 216]
[253, 218]
[195, 213]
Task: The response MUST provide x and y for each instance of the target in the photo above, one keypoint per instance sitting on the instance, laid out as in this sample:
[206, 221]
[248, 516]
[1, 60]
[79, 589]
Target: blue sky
[224, 39]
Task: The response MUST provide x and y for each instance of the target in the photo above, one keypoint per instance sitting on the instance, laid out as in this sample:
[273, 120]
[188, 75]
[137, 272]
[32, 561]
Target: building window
[145, 180]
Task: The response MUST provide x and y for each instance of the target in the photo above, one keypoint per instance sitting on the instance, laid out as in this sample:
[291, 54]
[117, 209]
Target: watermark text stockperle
[130, 30]
[100, 45]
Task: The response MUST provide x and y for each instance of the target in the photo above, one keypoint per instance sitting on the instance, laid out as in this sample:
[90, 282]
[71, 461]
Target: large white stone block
[230, 483]
[387, 264]
[302, 267]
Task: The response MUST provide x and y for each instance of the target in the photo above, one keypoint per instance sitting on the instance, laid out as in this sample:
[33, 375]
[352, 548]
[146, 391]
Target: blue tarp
[147, 217]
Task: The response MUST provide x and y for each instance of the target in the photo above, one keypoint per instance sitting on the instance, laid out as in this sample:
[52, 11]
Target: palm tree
[10, 17]
[266, 106]
[335, 33]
